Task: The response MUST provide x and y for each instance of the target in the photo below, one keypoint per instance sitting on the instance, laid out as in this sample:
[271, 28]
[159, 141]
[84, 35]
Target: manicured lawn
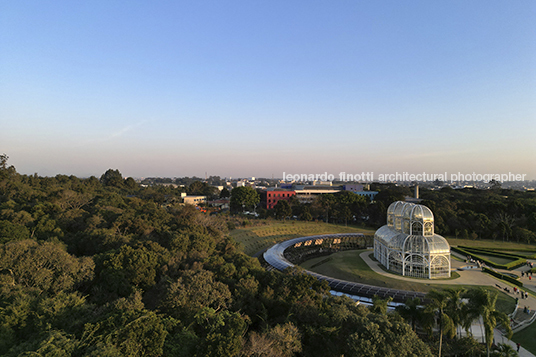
[257, 238]
[526, 338]
[494, 259]
[525, 254]
[348, 265]
[505, 246]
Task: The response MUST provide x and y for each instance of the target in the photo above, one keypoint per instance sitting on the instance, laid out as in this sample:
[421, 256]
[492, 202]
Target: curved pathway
[467, 277]
[275, 257]
[473, 277]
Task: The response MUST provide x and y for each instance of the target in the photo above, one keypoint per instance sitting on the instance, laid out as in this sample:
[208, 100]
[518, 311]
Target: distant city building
[369, 194]
[270, 197]
[322, 183]
[307, 193]
[415, 198]
[407, 244]
[221, 203]
[354, 187]
[194, 200]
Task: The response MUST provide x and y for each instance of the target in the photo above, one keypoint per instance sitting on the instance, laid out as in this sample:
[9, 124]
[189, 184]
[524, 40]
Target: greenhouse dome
[407, 245]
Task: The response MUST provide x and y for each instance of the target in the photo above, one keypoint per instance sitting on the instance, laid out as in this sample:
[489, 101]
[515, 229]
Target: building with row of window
[194, 200]
[307, 193]
[270, 197]
[408, 245]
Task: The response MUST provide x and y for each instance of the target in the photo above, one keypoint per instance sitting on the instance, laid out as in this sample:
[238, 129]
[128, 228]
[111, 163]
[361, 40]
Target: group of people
[470, 259]
[524, 294]
[528, 273]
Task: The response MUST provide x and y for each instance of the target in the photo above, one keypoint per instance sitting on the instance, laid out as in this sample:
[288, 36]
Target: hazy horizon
[246, 89]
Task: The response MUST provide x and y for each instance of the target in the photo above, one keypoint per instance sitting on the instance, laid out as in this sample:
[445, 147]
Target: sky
[262, 88]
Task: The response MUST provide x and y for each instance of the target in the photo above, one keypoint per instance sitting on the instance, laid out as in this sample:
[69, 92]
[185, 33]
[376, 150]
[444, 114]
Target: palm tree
[456, 307]
[505, 350]
[411, 311]
[482, 304]
[379, 305]
[438, 305]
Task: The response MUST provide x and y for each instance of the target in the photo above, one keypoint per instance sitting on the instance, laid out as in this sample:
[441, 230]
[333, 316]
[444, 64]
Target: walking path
[475, 276]
[469, 275]
[500, 338]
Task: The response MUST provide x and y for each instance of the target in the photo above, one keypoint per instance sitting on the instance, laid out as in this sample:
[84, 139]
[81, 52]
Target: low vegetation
[349, 265]
[491, 257]
[526, 338]
[265, 233]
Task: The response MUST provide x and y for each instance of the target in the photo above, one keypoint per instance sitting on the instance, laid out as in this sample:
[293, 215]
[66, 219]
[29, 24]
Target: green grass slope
[259, 237]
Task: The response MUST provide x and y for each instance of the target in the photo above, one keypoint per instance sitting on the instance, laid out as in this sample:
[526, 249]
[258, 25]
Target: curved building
[407, 245]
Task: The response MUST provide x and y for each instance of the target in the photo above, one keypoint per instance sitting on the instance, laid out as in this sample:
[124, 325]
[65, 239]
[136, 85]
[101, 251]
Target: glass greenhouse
[407, 245]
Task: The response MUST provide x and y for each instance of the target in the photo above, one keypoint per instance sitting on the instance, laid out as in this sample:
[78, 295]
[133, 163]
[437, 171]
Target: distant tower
[417, 191]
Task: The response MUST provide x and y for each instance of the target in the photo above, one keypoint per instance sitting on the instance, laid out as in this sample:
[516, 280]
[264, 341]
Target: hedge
[474, 253]
[502, 276]
[532, 252]
[492, 253]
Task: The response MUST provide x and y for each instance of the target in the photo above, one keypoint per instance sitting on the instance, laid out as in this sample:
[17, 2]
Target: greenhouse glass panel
[409, 246]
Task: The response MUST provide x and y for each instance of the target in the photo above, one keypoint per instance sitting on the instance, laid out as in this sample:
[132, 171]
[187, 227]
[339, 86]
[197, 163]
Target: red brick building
[269, 198]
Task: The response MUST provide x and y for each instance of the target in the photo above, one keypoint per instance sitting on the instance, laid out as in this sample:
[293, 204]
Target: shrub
[502, 276]
[474, 252]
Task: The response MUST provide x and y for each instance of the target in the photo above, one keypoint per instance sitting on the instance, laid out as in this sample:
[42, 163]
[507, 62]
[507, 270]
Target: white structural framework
[407, 245]
[275, 256]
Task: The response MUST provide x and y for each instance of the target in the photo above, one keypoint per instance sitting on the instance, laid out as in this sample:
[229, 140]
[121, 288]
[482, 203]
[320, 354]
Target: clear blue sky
[258, 88]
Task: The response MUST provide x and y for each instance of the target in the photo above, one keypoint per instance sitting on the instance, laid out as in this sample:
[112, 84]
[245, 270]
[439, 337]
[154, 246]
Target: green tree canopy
[482, 304]
[112, 178]
[282, 209]
[244, 197]
[225, 193]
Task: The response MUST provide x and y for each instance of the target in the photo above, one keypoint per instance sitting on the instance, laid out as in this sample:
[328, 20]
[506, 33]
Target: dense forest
[104, 267]
[498, 214]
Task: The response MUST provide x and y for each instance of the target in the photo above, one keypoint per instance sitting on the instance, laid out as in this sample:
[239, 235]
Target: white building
[194, 200]
[407, 245]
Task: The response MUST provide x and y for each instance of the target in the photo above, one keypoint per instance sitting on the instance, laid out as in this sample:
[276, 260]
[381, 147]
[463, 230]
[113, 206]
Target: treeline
[183, 181]
[452, 311]
[498, 214]
[104, 267]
